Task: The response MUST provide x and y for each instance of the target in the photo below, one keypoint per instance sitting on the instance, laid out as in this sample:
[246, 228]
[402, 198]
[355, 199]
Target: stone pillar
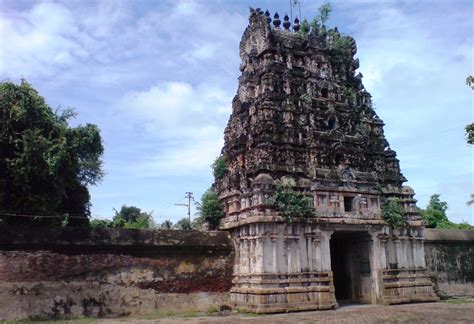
[246, 256]
[325, 250]
[317, 252]
[383, 251]
[398, 252]
[310, 254]
[273, 239]
[252, 255]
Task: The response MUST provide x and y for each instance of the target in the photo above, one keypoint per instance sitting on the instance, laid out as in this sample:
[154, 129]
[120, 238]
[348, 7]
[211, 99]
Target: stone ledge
[286, 290]
[455, 235]
[39, 238]
[288, 308]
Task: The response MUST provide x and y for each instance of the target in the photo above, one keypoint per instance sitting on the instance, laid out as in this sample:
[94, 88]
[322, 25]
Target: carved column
[326, 250]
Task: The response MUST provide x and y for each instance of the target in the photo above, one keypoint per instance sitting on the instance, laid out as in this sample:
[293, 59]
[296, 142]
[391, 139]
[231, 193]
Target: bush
[393, 212]
[100, 223]
[291, 204]
[219, 167]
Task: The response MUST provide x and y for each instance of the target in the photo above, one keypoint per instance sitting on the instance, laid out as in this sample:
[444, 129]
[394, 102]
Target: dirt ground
[442, 312]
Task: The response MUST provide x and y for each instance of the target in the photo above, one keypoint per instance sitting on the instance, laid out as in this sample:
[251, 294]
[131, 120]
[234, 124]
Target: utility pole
[189, 195]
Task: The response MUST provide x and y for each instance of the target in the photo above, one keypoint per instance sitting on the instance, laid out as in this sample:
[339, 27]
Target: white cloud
[177, 108]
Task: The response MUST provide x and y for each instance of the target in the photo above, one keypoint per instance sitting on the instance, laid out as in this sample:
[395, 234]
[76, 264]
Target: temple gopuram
[302, 117]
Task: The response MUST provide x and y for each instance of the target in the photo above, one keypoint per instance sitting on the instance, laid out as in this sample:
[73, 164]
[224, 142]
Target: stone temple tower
[301, 116]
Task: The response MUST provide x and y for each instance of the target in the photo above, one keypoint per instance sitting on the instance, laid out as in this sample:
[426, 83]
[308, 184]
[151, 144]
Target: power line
[189, 196]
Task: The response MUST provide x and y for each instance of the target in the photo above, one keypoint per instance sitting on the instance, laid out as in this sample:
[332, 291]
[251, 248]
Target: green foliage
[290, 203]
[435, 215]
[305, 27]
[45, 165]
[470, 133]
[132, 217]
[318, 21]
[341, 50]
[393, 212]
[166, 225]
[184, 225]
[306, 98]
[100, 223]
[470, 81]
[348, 93]
[211, 209]
[324, 13]
[219, 167]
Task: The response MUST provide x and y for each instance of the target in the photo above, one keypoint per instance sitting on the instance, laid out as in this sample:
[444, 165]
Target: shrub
[393, 212]
[291, 204]
[219, 167]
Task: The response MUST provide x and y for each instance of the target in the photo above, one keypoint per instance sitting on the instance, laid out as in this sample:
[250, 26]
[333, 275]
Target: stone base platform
[407, 286]
[283, 292]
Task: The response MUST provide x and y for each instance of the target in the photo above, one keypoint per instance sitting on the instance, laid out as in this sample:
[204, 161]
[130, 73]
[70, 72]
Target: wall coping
[432, 234]
[82, 237]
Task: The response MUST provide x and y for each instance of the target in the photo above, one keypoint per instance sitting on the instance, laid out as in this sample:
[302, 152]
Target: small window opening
[324, 93]
[332, 122]
[348, 203]
[374, 202]
[321, 200]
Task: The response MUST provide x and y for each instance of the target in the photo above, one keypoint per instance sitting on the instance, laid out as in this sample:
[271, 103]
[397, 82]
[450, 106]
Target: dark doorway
[350, 265]
[340, 269]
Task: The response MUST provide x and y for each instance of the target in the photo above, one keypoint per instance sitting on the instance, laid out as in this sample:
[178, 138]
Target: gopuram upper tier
[302, 116]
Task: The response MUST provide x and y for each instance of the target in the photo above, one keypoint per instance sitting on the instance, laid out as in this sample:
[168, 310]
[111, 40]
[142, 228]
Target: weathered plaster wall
[449, 258]
[77, 272]
[73, 272]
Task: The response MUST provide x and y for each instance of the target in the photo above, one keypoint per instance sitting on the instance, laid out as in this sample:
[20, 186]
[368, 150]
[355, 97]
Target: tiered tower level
[302, 117]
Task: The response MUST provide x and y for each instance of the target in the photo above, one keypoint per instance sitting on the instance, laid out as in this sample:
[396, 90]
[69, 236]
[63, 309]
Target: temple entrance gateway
[304, 120]
[350, 264]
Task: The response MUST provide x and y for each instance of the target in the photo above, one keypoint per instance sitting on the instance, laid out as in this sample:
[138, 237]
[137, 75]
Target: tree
[435, 215]
[132, 217]
[183, 225]
[166, 225]
[435, 212]
[210, 209]
[470, 127]
[45, 165]
[469, 133]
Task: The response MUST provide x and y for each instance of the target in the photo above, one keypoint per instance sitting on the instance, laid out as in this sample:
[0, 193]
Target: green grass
[163, 314]
[401, 318]
[460, 301]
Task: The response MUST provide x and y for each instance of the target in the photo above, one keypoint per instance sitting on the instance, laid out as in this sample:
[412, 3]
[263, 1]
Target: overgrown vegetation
[219, 167]
[469, 133]
[340, 49]
[320, 20]
[210, 209]
[45, 165]
[290, 203]
[435, 215]
[127, 217]
[340, 45]
[306, 98]
[393, 212]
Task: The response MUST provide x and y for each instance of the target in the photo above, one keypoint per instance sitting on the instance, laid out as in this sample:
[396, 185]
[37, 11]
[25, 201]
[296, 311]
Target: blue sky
[158, 78]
